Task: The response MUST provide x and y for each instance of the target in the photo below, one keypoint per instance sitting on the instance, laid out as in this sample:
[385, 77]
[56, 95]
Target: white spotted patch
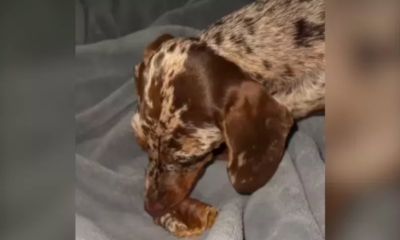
[136, 125]
[241, 159]
[147, 100]
[232, 177]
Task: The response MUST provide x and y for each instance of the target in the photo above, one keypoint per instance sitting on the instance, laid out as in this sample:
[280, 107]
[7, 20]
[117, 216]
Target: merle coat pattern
[240, 83]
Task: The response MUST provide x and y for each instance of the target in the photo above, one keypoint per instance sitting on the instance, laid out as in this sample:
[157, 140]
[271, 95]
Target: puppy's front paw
[189, 219]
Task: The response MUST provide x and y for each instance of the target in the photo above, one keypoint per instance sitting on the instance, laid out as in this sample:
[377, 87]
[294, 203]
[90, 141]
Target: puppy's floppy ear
[153, 46]
[255, 128]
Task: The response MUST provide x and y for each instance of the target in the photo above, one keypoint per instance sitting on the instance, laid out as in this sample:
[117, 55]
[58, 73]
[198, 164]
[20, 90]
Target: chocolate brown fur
[235, 84]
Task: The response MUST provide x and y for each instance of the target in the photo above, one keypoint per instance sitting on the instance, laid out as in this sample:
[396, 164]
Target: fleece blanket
[110, 166]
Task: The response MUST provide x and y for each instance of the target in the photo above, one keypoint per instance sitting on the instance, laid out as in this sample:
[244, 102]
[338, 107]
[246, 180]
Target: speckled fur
[281, 44]
[174, 54]
[171, 143]
[278, 43]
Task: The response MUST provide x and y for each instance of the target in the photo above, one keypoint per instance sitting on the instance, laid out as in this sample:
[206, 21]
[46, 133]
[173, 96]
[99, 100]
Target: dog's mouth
[158, 209]
[166, 202]
[172, 199]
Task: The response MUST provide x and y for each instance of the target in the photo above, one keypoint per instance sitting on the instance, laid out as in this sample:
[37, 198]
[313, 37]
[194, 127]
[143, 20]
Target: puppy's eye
[171, 167]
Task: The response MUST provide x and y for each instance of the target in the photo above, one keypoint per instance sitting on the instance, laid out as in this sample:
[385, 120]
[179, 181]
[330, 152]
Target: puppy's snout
[155, 203]
[154, 208]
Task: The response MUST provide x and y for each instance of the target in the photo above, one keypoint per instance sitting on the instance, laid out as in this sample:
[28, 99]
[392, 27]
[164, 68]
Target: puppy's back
[273, 39]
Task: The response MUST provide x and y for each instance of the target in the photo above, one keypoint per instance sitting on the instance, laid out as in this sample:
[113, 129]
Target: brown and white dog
[240, 82]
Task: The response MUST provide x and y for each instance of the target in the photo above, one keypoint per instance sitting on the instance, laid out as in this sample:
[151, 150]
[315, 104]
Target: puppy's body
[197, 93]
[280, 44]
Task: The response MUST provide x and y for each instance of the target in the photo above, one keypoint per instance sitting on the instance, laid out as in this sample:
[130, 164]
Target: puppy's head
[192, 100]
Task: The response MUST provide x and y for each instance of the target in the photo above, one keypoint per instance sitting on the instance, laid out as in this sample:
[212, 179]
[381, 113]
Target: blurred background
[98, 20]
[363, 119]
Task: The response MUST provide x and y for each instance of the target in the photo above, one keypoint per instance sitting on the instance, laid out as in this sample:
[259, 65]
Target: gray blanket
[110, 166]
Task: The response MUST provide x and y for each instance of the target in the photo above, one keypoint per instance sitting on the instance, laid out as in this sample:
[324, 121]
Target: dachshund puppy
[182, 117]
[240, 82]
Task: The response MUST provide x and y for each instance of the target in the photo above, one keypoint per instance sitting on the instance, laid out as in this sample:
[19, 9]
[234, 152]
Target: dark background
[98, 20]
